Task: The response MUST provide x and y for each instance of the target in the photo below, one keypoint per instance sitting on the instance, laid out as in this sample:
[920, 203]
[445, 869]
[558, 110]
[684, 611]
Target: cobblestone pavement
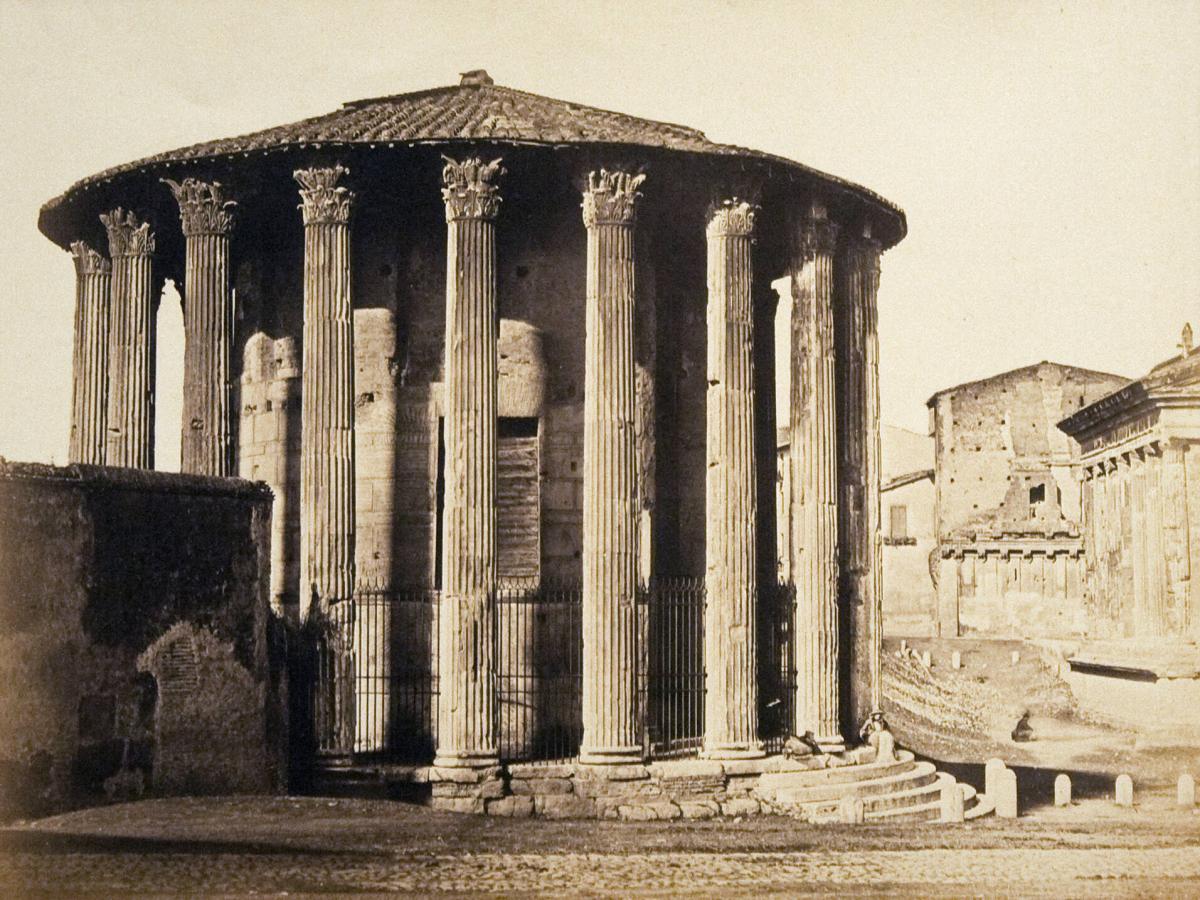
[298, 847]
[1145, 872]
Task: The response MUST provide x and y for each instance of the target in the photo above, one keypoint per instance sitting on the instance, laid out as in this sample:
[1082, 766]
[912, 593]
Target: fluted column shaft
[610, 514]
[89, 362]
[731, 511]
[327, 393]
[207, 327]
[860, 547]
[130, 413]
[814, 461]
[466, 626]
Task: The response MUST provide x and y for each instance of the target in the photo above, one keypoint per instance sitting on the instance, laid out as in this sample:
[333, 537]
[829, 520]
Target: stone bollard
[927, 659]
[991, 769]
[956, 660]
[952, 802]
[1016, 657]
[1185, 794]
[1006, 795]
[904, 647]
[1062, 790]
[852, 811]
[1124, 790]
[885, 746]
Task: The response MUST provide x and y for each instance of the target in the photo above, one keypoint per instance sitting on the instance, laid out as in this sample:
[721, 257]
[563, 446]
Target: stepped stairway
[898, 790]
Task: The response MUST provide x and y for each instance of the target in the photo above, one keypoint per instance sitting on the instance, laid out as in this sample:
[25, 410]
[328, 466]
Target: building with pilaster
[509, 371]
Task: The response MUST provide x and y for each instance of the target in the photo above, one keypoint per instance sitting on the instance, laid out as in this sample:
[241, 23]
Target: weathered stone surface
[466, 624]
[131, 347]
[851, 810]
[564, 806]
[206, 217]
[686, 768]
[610, 467]
[612, 772]
[1007, 801]
[814, 463]
[991, 774]
[649, 812]
[527, 786]
[1062, 790]
[1185, 792]
[699, 809]
[327, 392]
[740, 806]
[730, 671]
[1124, 791]
[528, 770]
[144, 661]
[463, 774]
[511, 807]
[89, 361]
[595, 787]
[856, 332]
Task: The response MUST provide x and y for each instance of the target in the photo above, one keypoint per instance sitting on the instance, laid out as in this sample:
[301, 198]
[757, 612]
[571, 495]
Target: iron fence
[373, 681]
[673, 666]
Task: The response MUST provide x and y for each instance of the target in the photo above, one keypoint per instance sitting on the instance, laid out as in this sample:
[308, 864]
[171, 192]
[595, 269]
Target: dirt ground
[306, 846]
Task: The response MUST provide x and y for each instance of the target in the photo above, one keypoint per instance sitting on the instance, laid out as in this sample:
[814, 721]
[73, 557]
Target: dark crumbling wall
[134, 632]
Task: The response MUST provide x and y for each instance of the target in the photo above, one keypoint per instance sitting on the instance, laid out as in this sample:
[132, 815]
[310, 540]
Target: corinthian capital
[202, 208]
[127, 236]
[322, 201]
[88, 261]
[862, 251]
[469, 190]
[733, 217]
[611, 198]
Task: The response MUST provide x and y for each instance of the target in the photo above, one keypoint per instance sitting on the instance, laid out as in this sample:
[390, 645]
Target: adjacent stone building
[509, 338]
[909, 535]
[1140, 480]
[1009, 559]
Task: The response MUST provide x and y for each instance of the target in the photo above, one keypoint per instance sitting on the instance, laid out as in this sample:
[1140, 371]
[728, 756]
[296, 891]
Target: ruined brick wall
[997, 438]
[134, 638]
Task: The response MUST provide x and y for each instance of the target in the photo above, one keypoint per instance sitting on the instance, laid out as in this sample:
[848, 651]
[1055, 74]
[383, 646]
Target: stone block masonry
[136, 638]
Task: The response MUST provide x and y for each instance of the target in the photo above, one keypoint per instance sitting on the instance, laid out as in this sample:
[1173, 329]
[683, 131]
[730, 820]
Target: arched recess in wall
[168, 380]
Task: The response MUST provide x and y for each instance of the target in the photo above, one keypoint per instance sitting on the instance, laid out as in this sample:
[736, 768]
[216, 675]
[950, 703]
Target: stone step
[773, 781]
[911, 775]
[891, 806]
[929, 811]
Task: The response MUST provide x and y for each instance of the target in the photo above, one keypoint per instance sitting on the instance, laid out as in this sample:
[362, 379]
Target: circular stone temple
[509, 366]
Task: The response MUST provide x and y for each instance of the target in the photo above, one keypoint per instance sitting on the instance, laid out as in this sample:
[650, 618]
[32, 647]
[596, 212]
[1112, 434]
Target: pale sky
[1047, 154]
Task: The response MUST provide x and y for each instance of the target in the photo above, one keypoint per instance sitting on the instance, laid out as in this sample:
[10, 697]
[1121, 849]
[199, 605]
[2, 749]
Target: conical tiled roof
[474, 110]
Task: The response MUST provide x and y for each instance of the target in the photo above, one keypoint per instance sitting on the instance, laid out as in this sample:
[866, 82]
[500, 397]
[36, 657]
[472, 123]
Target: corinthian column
[466, 624]
[610, 514]
[327, 393]
[814, 462]
[89, 363]
[207, 324]
[130, 412]
[730, 633]
[857, 336]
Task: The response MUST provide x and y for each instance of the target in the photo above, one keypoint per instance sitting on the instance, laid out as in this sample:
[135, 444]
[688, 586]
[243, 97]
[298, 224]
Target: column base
[833, 743]
[466, 759]
[737, 750]
[611, 756]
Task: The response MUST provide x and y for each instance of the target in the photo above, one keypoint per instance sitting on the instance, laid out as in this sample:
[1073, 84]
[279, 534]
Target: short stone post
[885, 746]
[1185, 793]
[1062, 790]
[852, 811]
[991, 772]
[952, 802]
[1006, 794]
[1016, 657]
[1124, 793]
[956, 660]
[927, 659]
